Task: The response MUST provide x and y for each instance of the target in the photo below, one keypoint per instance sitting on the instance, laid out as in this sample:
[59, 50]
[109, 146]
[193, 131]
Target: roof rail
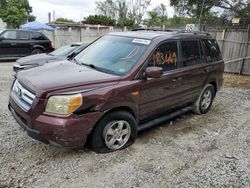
[194, 32]
[142, 29]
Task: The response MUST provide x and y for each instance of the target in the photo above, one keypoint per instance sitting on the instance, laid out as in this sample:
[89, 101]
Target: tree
[153, 19]
[180, 20]
[2, 3]
[125, 12]
[161, 11]
[107, 8]
[158, 16]
[138, 9]
[15, 12]
[64, 20]
[193, 8]
[99, 19]
[122, 11]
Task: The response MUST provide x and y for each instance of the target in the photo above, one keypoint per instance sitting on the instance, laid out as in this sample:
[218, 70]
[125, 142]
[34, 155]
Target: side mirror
[153, 72]
[71, 56]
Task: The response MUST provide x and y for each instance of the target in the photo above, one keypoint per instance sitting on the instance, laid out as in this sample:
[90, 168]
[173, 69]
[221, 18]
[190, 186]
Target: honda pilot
[121, 84]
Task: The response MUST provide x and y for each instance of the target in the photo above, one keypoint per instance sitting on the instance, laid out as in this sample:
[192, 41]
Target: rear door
[8, 43]
[192, 74]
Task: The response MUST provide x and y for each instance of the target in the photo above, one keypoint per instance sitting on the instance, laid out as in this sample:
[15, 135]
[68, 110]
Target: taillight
[50, 45]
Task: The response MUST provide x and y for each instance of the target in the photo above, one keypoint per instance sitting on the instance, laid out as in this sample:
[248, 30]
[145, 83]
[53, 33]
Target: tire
[115, 131]
[205, 100]
[36, 51]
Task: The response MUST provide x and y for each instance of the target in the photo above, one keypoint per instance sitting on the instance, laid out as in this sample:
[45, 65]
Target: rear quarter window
[37, 36]
[212, 50]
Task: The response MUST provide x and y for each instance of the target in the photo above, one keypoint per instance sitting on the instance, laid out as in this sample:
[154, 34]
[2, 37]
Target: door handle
[206, 70]
[13, 44]
[176, 79]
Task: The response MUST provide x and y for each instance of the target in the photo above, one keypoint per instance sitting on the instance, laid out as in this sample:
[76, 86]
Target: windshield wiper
[95, 67]
[76, 61]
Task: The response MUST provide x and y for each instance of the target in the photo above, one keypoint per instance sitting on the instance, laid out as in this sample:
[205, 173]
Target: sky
[75, 9]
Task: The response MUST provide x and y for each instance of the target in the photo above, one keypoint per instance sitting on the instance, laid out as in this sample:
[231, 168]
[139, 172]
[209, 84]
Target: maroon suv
[121, 84]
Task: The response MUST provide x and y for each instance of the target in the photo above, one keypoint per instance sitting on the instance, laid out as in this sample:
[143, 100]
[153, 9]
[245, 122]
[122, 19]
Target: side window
[23, 35]
[213, 50]
[37, 36]
[190, 52]
[165, 56]
[11, 35]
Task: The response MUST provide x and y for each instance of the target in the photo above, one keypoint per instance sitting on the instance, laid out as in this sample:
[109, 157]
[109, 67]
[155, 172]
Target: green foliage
[153, 19]
[192, 8]
[64, 20]
[175, 20]
[107, 8]
[99, 19]
[124, 12]
[158, 16]
[15, 12]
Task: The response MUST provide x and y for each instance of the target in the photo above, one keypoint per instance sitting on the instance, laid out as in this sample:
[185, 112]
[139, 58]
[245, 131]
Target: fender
[119, 102]
[38, 46]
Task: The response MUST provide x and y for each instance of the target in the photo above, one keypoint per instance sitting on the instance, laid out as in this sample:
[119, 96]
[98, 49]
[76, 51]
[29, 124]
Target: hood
[64, 75]
[37, 58]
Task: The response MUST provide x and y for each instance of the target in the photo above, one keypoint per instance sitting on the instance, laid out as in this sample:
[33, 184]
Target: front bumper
[71, 131]
[31, 132]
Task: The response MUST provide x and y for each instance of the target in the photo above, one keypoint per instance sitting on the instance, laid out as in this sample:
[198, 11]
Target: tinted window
[9, 35]
[190, 52]
[23, 35]
[165, 56]
[213, 50]
[37, 36]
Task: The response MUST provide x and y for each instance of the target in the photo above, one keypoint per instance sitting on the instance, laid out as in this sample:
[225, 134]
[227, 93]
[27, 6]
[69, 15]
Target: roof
[22, 30]
[142, 34]
[150, 35]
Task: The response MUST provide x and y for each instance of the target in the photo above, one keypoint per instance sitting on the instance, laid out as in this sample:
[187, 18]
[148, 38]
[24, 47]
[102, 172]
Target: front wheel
[205, 100]
[115, 131]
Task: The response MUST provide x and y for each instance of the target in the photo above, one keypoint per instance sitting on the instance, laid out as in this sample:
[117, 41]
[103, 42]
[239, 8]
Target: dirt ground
[211, 150]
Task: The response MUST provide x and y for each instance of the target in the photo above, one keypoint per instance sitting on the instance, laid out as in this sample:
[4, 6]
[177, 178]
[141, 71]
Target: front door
[8, 44]
[161, 94]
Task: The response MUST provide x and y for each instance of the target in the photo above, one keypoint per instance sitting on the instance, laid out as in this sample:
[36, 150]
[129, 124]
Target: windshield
[114, 54]
[64, 51]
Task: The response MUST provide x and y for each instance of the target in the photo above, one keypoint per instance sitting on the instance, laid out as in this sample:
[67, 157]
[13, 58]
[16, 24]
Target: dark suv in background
[65, 52]
[120, 84]
[18, 43]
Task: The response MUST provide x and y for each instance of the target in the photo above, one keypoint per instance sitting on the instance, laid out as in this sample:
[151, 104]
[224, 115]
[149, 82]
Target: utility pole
[203, 3]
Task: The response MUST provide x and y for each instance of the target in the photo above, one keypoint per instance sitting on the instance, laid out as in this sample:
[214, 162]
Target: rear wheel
[205, 100]
[115, 131]
[36, 51]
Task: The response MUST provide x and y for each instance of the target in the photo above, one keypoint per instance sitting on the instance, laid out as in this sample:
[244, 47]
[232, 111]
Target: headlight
[64, 104]
[35, 65]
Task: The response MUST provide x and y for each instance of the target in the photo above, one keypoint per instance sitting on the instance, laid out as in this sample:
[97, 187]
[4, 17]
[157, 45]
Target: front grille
[22, 96]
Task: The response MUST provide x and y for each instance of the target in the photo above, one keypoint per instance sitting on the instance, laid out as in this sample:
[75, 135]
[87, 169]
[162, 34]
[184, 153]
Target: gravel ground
[211, 150]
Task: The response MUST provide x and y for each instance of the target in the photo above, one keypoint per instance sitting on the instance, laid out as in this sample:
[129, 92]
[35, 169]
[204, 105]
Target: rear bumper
[49, 50]
[69, 132]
